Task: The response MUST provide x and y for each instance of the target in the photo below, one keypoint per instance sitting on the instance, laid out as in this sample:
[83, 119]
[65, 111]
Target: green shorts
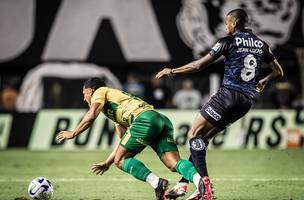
[150, 128]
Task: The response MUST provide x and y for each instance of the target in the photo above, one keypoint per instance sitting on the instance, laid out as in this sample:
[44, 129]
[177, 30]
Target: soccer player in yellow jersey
[138, 126]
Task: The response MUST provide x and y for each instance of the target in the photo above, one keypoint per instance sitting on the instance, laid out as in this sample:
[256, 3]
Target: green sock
[186, 168]
[136, 169]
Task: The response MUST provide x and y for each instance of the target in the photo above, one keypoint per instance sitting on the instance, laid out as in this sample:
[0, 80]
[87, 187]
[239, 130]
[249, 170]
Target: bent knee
[172, 168]
[202, 130]
[191, 134]
[200, 126]
[118, 162]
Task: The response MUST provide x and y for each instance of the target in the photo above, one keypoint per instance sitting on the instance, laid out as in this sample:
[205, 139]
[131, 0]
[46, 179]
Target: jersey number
[248, 71]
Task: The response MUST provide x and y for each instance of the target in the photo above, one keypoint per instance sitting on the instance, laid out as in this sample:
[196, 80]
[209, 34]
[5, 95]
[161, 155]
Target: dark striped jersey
[244, 54]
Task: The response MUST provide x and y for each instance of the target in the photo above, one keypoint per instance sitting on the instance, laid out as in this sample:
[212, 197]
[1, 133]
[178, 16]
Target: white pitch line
[296, 179]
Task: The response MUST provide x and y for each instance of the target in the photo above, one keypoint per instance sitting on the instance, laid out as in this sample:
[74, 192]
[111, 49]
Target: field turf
[241, 174]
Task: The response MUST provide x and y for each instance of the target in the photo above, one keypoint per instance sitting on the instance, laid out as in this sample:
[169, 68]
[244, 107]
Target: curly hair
[240, 16]
[94, 83]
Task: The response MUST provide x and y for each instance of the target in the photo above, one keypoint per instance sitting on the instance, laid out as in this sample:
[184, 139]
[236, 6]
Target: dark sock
[198, 148]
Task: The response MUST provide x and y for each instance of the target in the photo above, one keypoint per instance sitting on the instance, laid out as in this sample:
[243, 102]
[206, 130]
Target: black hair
[94, 83]
[240, 16]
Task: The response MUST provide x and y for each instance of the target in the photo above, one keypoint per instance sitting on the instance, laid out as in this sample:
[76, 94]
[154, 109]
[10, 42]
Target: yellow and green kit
[145, 126]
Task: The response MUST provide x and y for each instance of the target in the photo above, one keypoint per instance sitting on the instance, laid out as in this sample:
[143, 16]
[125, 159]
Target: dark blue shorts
[226, 107]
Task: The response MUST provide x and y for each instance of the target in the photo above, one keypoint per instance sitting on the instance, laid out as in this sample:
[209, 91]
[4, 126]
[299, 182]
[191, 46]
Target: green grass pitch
[236, 174]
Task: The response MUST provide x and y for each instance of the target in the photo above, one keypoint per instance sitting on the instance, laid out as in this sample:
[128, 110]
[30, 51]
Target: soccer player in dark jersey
[138, 126]
[244, 54]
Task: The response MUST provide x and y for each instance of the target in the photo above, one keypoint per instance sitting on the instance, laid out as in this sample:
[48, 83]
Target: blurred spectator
[283, 93]
[187, 97]
[134, 86]
[9, 92]
[8, 99]
[157, 93]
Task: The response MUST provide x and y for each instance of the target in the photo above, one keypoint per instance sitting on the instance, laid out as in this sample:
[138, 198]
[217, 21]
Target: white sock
[196, 179]
[153, 180]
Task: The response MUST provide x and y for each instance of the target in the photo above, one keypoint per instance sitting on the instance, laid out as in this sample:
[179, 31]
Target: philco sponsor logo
[250, 42]
[212, 113]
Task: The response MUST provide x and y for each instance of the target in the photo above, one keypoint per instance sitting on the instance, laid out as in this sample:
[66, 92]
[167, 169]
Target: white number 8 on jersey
[248, 71]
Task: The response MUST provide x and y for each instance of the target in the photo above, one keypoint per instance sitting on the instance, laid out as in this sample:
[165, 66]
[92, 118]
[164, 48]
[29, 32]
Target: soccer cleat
[179, 190]
[161, 189]
[205, 188]
[196, 195]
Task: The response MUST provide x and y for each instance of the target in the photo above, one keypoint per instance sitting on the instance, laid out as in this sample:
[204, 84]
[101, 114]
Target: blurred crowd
[187, 93]
[182, 93]
[9, 90]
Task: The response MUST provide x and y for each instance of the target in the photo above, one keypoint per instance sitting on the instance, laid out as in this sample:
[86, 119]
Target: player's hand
[99, 168]
[164, 72]
[63, 135]
[261, 85]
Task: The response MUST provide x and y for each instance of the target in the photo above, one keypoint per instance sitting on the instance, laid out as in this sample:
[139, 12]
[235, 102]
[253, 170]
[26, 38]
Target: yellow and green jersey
[120, 106]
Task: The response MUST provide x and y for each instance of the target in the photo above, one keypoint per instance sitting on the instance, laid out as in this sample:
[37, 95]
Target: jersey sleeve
[221, 47]
[268, 55]
[99, 95]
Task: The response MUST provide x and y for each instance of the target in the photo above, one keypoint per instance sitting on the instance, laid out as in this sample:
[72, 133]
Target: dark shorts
[226, 107]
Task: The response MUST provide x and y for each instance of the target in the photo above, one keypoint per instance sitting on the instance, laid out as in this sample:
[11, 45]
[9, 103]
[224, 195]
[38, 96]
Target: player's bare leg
[174, 163]
[170, 160]
[199, 135]
[124, 160]
[205, 131]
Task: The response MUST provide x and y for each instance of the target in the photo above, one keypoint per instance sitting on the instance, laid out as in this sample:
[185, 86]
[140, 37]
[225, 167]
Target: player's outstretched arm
[99, 168]
[194, 66]
[103, 166]
[277, 72]
[85, 123]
